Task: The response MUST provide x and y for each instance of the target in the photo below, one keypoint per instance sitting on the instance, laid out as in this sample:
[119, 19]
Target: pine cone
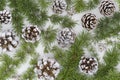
[5, 16]
[89, 21]
[8, 40]
[88, 65]
[59, 6]
[47, 69]
[31, 33]
[107, 8]
[66, 37]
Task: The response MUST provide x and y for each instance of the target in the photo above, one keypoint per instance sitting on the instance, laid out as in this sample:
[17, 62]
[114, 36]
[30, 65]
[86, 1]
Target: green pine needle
[108, 27]
[81, 5]
[2, 4]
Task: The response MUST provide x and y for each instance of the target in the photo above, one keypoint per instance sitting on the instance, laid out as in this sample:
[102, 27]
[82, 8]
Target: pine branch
[64, 21]
[31, 10]
[108, 27]
[68, 22]
[70, 61]
[7, 68]
[10, 64]
[2, 4]
[55, 19]
[111, 60]
[113, 75]
[81, 5]
[44, 4]
[29, 74]
[17, 21]
[48, 37]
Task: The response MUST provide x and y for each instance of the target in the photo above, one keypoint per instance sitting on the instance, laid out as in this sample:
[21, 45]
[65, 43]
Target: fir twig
[70, 59]
[108, 27]
[48, 36]
[44, 4]
[81, 5]
[31, 10]
[2, 4]
[111, 60]
[64, 21]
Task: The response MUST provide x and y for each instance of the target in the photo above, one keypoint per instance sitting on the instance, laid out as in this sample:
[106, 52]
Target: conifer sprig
[2, 4]
[108, 27]
[81, 5]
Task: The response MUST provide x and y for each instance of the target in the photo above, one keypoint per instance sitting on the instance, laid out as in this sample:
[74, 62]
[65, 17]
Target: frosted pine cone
[59, 6]
[5, 16]
[89, 21]
[47, 69]
[8, 40]
[107, 7]
[88, 65]
[66, 37]
[31, 33]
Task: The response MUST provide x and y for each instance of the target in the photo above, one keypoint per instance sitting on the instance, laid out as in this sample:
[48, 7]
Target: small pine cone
[5, 17]
[47, 69]
[59, 6]
[89, 21]
[66, 37]
[107, 8]
[88, 65]
[8, 41]
[31, 33]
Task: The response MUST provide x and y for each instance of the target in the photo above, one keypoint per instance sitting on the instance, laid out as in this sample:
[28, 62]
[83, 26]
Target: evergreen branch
[68, 22]
[113, 75]
[59, 54]
[31, 10]
[48, 37]
[29, 74]
[7, 68]
[17, 21]
[2, 4]
[108, 27]
[111, 60]
[10, 64]
[81, 5]
[55, 19]
[44, 4]
[64, 21]
[71, 59]
[17, 18]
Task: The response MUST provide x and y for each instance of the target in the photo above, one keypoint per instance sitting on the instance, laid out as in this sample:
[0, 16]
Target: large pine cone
[59, 6]
[47, 69]
[89, 21]
[66, 37]
[8, 40]
[88, 65]
[31, 33]
[5, 16]
[107, 8]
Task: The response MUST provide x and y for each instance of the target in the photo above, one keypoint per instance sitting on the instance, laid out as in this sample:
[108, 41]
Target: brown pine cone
[5, 16]
[88, 65]
[66, 37]
[8, 40]
[107, 7]
[47, 69]
[31, 33]
[59, 6]
[89, 21]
